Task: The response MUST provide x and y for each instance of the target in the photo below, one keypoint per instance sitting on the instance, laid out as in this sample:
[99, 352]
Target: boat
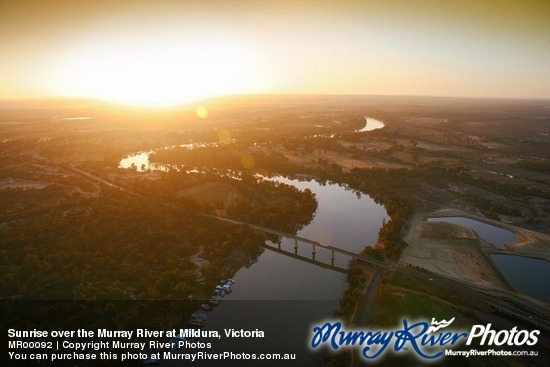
[198, 318]
[199, 315]
[215, 300]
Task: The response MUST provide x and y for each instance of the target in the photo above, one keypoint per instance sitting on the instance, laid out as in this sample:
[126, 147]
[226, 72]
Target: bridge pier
[332, 258]
[295, 246]
[313, 252]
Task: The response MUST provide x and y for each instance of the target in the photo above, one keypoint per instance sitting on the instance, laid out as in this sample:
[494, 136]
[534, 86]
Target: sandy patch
[451, 251]
[531, 243]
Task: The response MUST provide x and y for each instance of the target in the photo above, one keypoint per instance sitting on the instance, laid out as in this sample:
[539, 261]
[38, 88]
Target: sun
[160, 73]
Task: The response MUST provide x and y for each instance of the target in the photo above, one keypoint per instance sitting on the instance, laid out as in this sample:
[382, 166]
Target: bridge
[315, 246]
[507, 302]
[294, 254]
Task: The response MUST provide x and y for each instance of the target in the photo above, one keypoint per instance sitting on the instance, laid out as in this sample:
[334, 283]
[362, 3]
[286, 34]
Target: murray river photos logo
[427, 341]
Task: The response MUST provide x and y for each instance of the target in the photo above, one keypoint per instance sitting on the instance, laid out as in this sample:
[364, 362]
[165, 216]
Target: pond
[526, 275]
[499, 237]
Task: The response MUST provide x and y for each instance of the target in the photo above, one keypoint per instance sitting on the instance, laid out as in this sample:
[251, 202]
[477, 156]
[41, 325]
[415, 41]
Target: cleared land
[449, 250]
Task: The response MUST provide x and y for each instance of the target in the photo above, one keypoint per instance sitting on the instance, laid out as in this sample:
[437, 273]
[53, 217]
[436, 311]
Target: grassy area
[393, 304]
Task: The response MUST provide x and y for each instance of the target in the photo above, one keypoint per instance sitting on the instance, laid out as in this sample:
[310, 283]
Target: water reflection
[344, 218]
[140, 161]
[371, 124]
[499, 237]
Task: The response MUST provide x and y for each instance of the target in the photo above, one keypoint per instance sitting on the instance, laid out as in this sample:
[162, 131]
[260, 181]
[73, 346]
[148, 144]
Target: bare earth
[451, 251]
[457, 252]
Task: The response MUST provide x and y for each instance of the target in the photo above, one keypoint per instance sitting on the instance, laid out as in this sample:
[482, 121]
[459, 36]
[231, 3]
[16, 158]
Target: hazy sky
[156, 52]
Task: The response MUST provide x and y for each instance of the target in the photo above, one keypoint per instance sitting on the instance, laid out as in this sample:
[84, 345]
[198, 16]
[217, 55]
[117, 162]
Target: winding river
[343, 218]
[279, 292]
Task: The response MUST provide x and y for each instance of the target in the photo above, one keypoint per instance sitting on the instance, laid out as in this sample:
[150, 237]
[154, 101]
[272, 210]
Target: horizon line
[241, 95]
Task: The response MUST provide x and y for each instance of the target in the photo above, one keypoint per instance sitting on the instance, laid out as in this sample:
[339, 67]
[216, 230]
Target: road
[363, 314]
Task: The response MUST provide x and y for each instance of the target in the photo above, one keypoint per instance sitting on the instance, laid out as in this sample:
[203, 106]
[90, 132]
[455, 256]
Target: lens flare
[202, 112]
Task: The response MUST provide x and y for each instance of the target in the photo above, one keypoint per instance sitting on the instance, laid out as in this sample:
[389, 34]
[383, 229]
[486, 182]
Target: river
[371, 124]
[342, 219]
[141, 161]
[282, 295]
[285, 296]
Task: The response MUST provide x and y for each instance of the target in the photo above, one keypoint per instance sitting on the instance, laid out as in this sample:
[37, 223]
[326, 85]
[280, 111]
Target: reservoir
[526, 275]
[499, 237]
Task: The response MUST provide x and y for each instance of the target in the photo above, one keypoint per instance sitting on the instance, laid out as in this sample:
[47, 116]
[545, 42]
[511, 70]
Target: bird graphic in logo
[439, 325]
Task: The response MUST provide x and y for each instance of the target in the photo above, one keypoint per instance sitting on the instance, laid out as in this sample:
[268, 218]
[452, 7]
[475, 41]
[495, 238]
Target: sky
[169, 52]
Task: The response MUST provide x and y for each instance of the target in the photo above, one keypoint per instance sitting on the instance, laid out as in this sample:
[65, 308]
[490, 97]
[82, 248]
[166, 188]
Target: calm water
[284, 296]
[499, 237]
[139, 160]
[371, 124]
[343, 220]
[526, 275]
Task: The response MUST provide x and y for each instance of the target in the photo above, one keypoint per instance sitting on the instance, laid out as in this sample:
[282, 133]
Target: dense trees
[274, 205]
[119, 246]
[395, 189]
[116, 247]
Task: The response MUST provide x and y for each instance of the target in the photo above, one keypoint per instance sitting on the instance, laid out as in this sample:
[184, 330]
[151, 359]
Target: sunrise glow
[148, 53]
[162, 74]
